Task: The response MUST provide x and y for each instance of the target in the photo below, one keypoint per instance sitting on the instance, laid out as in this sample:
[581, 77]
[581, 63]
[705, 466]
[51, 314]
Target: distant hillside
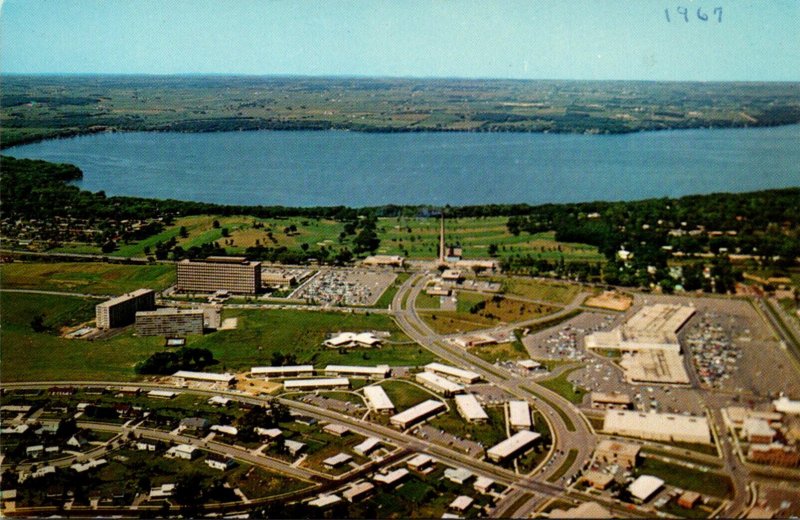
[40, 107]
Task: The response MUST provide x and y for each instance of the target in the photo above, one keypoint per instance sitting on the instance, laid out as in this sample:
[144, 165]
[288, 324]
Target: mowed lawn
[86, 277]
[44, 356]
[419, 238]
[34, 356]
[260, 333]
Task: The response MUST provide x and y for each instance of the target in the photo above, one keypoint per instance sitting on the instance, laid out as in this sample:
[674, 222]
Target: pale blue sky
[559, 39]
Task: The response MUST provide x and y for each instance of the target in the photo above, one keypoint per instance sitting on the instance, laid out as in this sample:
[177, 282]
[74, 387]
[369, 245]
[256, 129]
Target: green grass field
[489, 434]
[404, 395]
[706, 483]
[559, 293]
[415, 238]
[500, 352]
[564, 388]
[32, 356]
[85, 277]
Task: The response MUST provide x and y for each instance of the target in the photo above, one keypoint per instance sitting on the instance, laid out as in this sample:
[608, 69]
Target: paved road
[582, 439]
[56, 293]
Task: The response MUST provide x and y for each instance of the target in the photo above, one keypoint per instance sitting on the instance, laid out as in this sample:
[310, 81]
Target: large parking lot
[345, 287]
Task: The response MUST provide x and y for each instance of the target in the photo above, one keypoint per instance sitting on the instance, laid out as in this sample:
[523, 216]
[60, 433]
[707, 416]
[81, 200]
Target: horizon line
[379, 77]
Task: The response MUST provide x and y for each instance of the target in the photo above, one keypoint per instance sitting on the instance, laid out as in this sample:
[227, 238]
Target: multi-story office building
[231, 273]
[169, 322]
[121, 311]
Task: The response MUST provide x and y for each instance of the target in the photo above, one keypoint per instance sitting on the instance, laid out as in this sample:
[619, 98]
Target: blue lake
[358, 169]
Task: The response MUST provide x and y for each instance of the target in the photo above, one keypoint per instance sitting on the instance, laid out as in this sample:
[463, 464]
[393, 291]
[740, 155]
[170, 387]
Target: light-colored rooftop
[438, 382]
[460, 373]
[205, 376]
[277, 371]
[519, 414]
[414, 413]
[644, 487]
[377, 398]
[380, 370]
[518, 441]
[316, 383]
[469, 407]
[658, 425]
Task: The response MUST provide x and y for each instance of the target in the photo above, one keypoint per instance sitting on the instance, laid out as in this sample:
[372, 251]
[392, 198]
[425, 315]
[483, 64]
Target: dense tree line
[169, 362]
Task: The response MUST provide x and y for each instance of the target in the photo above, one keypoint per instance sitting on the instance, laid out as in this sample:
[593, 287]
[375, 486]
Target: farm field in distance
[34, 108]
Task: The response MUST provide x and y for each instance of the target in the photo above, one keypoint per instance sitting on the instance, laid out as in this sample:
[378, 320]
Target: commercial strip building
[384, 261]
[393, 477]
[280, 372]
[367, 446]
[313, 384]
[465, 376]
[417, 413]
[377, 372]
[658, 426]
[170, 322]
[378, 400]
[650, 340]
[470, 409]
[515, 445]
[204, 379]
[611, 401]
[229, 273]
[121, 311]
[519, 415]
[439, 384]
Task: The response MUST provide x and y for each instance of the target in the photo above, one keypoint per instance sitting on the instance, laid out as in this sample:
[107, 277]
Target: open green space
[426, 301]
[29, 355]
[404, 395]
[86, 277]
[388, 295]
[488, 434]
[477, 311]
[500, 352]
[559, 293]
[704, 482]
[563, 387]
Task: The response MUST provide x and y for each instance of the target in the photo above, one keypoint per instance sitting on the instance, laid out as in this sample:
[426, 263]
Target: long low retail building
[658, 426]
[417, 413]
[281, 372]
[313, 384]
[439, 384]
[515, 445]
[203, 379]
[465, 376]
[378, 400]
[378, 372]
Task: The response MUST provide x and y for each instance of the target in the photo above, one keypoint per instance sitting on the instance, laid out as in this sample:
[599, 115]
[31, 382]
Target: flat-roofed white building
[367, 446]
[420, 462]
[377, 372]
[384, 261]
[161, 394]
[353, 339]
[377, 399]
[313, 384]
[650, 337]
[204, 379]
[786, 405]
[358, 491]
[483, 484]
[461, 503]
[181, 451]
[325, 500]
[417, 413]
[439, 384]
[392, 478]
[337, 460]
[339, 430]
[519, 415]
[271, 433]
[658, 426]
[458, 475]
[225, 429]
[281, 372]
[645, 487]
[465, 376]
[470, 409]
[294, 447]
[121, 311]
[515, 445]
[757, 431]
[611, 401]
